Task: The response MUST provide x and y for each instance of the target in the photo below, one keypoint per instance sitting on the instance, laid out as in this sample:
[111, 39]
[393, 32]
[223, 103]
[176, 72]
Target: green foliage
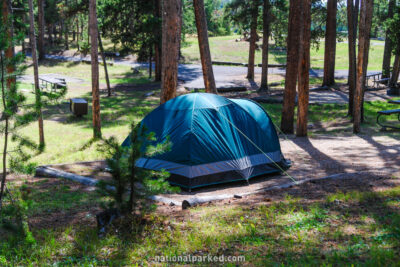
[14, 113]
[394, 33]
[85, 47]
[134, 25]
[131, 186]
[13, 216]
[217, 24]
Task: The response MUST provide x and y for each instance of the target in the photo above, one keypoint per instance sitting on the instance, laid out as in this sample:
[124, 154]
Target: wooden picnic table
[388, 113]
[376, 79]
[54, 83]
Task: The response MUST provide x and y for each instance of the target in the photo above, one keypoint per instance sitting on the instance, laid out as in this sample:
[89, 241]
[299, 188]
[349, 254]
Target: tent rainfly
[214, 140]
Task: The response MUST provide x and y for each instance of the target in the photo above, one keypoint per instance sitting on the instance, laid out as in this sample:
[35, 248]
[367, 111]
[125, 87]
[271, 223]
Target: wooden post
[171, 28]
[204, 47]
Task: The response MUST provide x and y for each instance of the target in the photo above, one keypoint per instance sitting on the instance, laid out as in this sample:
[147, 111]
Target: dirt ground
[311, 158]
[309, 192]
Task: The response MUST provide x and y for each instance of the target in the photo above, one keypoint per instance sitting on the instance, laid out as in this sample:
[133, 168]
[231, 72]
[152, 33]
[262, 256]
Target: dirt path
[311, 158]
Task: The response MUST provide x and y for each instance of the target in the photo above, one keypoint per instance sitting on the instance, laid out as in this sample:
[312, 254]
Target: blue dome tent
[214, 140]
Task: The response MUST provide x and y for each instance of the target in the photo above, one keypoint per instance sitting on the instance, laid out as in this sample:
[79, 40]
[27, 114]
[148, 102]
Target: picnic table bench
[388, 113]
[376, 79]
[54, 83]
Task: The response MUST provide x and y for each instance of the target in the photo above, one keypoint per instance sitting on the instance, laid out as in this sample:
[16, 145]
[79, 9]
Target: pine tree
[130, 186]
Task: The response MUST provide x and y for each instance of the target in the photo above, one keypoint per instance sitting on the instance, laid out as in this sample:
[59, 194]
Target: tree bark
[293, 42]
[304, 70]
[253, 39]
[41, 22]
[6, 122]
[204, 47]
[387, 54]
[95, 69]
[264, 65]
[395, 74]
[9, 53]
[105, 65]
[362, 60]
[150, 61]
[171, 28]
[330, 44]
[36, 75]
[351, 22]
[66, 30]
[157, 44]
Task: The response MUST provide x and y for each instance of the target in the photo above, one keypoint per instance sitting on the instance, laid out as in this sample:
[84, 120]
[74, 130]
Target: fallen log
[194, 201]
[45, 171]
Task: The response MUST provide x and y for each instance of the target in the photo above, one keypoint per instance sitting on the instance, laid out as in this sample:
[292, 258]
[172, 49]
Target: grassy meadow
[225, 48]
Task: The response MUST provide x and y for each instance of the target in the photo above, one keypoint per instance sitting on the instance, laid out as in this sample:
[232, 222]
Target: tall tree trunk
[6, 123]
[105, 65]
[41, 22]
[36, 75]
[351, 24]
[395, 74]
[387, 54]
[157, 44]
[330, 44]
[49, 32]
[66, 35]
[365, 67]
[304, 70]
[9, 53]
[157, 61]
[264, 65]
[204, 47]
[363, 45]
[95, 69]
[253, 39]
[171, 28]
[292, 67]
[150, 61]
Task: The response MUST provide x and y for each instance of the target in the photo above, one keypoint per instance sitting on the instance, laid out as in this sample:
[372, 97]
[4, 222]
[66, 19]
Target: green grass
[225, 48]
[291, 231]
[362, 230]
[66, 136]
